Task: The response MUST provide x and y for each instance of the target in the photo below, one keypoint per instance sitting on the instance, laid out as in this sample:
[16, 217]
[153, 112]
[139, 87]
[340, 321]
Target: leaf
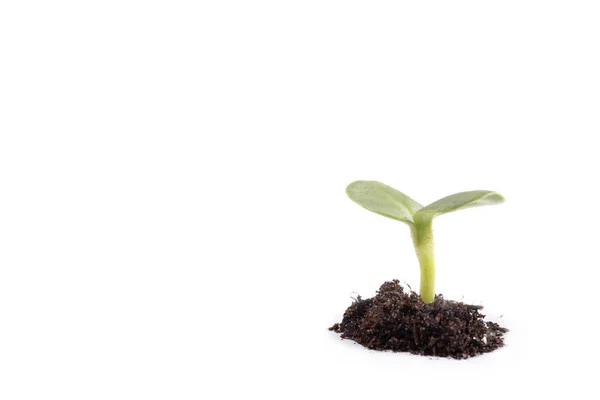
[383, 200]
[459, 201]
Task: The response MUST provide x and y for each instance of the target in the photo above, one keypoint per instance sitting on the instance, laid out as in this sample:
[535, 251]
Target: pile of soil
[400, 321]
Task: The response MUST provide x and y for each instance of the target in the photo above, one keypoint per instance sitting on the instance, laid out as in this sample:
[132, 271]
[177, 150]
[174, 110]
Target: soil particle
[400, 321]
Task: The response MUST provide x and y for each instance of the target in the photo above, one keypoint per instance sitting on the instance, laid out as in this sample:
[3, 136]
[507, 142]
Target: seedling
[389, 202]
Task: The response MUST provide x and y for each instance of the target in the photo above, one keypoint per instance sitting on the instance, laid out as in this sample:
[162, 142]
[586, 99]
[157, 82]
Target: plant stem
[422, 236]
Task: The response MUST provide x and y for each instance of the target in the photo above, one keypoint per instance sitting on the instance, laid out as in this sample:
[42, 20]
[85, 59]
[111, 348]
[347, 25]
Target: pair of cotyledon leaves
[391, 203]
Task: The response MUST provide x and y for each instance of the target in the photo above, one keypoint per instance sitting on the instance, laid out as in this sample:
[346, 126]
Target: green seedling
[391, 203]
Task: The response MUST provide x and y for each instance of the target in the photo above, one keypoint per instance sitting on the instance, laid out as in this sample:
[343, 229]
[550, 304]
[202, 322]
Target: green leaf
[459, 201]
[383, 200]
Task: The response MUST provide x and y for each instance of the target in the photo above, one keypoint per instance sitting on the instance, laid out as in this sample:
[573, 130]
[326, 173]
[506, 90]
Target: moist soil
[399, 320]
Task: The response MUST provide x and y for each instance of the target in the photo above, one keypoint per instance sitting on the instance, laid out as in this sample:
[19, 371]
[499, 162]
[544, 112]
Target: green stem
[422, 236]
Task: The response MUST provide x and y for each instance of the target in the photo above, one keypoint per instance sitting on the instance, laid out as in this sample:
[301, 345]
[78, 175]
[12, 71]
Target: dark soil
[400, 321]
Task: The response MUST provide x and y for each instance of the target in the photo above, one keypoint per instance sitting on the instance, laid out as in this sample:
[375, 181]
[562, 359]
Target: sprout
[389, 202]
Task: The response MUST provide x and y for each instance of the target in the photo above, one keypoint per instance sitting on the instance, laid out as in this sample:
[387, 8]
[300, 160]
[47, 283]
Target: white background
[173, 222]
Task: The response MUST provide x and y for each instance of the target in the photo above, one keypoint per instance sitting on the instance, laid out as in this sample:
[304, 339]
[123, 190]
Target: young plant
[389, 202]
